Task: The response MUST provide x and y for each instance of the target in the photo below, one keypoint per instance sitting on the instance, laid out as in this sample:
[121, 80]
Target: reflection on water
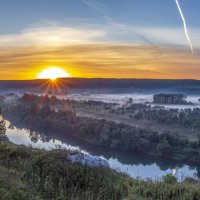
[136, 165]
[28, 138]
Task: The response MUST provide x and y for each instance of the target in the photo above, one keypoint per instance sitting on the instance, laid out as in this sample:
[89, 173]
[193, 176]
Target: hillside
[34, 174]
[27, 173]
[107, 85]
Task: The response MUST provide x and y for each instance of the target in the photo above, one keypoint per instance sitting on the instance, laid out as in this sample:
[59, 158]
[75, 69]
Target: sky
[100, 38]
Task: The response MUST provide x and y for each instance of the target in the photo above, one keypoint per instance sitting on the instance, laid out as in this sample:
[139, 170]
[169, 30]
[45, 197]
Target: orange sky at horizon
[100, 60]
[90, 39]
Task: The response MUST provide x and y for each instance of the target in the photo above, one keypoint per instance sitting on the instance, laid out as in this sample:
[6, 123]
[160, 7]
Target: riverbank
[27, 173]
[39, 117]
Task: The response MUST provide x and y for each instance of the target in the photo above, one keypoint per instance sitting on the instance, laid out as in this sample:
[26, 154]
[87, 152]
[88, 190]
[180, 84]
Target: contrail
[185, 26]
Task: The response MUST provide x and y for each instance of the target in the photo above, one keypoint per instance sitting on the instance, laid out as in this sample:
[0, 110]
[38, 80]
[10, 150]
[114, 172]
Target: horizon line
[184, 79]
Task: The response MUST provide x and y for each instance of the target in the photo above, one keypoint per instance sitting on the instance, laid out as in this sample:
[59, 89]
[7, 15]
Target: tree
[2, 129]
[169, 179]
[2, 124]
[129, 101]
[164, 147]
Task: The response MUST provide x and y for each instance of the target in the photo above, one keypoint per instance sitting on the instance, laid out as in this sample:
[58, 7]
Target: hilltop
[107, 85]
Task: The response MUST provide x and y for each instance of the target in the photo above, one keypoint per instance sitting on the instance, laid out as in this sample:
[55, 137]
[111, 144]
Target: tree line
[103, 132]
[188, 118]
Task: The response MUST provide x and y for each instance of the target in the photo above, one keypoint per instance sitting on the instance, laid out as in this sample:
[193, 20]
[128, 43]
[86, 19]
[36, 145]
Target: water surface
[136, 165]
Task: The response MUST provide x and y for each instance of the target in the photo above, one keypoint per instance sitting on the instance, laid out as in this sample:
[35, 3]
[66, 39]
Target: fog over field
[137, 98]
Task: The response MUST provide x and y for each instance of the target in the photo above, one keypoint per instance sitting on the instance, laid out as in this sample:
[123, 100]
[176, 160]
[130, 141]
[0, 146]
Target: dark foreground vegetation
[33, 174]
[37, 114]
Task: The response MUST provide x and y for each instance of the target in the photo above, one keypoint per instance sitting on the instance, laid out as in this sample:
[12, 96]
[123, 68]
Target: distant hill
[117, 85]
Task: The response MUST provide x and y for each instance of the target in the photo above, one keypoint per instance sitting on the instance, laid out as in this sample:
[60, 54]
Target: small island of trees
[170, 99]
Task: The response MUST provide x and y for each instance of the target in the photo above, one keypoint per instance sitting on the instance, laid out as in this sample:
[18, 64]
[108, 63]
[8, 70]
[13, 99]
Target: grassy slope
[27, 173]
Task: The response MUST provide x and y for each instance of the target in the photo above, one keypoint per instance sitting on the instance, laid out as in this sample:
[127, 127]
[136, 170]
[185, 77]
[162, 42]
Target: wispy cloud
[112, 50]
[50, 36]
[100, 60]
[133, 33]
[94, 4]
[154, 36]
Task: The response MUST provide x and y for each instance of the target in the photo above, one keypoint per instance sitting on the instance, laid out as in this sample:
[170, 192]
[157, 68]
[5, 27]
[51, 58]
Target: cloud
[101, 60]
[50, 36]
[154, 36]
[88, 32]
[93, 50]
[94, 4]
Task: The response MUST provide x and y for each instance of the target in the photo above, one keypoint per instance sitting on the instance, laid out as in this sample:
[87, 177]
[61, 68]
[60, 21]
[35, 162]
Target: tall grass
[27, 173]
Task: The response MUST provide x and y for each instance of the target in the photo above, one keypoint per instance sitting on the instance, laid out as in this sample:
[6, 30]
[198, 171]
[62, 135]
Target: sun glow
[53, 73]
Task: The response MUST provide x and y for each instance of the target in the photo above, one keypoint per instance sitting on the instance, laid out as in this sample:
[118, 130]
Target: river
[136, 165]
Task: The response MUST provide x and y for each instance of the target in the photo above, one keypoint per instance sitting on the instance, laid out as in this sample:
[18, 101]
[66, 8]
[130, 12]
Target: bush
[169, 179]
[3, 138]
[191, 180]
[2, 127]
[165, 148]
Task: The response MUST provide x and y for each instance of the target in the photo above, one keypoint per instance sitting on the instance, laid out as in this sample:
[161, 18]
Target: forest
[189, 118]
[35, 112]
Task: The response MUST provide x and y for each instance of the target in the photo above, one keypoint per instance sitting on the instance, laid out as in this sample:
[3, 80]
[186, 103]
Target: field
[99, 112]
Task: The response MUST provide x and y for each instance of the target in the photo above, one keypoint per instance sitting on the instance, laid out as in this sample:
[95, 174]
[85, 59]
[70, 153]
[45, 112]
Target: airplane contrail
[185, 26]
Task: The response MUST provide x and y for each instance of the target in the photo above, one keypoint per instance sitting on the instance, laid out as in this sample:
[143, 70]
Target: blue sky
[17, 14]
[102, 38]
[142, 18]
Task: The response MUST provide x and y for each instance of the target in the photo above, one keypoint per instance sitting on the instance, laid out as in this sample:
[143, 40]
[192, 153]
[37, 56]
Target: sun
[53, 73]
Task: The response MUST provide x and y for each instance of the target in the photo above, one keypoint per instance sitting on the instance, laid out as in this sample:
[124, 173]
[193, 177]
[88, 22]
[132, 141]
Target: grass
[27, 173]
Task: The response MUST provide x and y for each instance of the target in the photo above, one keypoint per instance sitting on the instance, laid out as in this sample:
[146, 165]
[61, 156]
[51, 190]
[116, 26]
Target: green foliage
[3, 138]
[12, 187]
[40, 114]
[191, 180]
[188, 118]
[43, 175]
[164, 147]
[2, 127]
[169, 179]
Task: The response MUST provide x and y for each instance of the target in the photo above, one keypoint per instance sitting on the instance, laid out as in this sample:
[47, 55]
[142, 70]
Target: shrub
[169, 179]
